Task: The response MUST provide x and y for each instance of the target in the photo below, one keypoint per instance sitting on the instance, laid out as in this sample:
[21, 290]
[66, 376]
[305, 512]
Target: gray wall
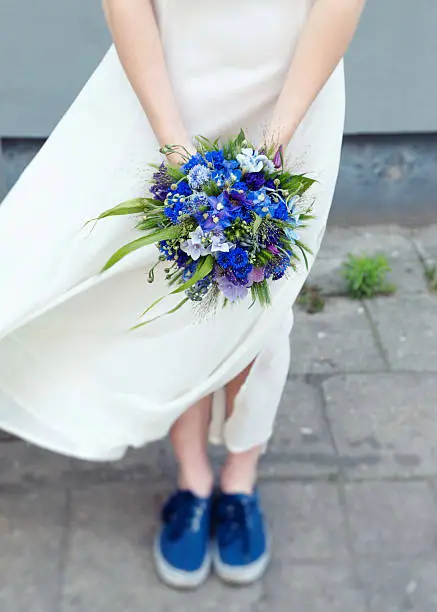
[48, 48]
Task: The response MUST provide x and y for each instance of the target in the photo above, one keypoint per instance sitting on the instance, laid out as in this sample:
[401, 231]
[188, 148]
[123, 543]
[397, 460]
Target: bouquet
[225, 222]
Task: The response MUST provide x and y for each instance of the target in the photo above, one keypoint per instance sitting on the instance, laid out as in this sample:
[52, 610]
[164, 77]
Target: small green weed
[431, 276]
[366, 276]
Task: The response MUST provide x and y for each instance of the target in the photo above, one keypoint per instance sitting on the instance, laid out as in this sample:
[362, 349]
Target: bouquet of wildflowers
[225, 222]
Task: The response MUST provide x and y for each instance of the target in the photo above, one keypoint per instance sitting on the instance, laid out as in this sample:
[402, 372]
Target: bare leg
[239, 472]
[189, 436]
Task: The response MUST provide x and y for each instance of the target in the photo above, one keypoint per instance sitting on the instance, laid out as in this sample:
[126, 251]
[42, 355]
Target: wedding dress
[73, 379]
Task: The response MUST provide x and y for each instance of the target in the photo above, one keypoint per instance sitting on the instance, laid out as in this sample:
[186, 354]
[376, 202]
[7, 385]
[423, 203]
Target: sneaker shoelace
[183, 512]
[234, 518]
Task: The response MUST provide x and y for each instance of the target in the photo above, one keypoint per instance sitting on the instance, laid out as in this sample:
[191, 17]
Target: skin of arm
[323, 42]
[136, 37]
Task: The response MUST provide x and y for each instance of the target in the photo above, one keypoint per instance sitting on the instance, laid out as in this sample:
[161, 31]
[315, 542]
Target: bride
[72, 378]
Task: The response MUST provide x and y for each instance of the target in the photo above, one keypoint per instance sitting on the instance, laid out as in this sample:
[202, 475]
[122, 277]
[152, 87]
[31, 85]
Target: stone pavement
[349, 484]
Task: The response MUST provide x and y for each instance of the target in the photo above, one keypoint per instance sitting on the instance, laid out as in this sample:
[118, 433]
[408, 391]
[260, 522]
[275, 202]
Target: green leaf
[204, 267]
[176, 308]
[130, 207]
[175, 173]
[302, 250]
[164, 234]
[256, 224]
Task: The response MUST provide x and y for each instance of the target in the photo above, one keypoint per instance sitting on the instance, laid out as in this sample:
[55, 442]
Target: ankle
[234, 480]
[200, 482]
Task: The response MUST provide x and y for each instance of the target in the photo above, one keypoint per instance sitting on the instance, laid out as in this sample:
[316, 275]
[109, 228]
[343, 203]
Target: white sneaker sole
[243, 575]
[178, 579]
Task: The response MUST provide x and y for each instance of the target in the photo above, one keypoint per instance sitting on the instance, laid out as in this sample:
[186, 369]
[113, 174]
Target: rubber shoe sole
[240, 575]
[178, 579]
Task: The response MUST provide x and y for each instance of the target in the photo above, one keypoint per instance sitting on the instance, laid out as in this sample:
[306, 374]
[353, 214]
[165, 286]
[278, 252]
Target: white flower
[253, 161]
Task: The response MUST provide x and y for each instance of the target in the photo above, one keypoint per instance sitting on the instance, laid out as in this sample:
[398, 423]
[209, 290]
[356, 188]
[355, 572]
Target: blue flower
[262, 203]
[277, 268]
[226, 176]
[281, 211]
[198, 176]
[166, 249]
[182, 188]
[193, 161]
[177, 207]
[216, 158]
[218, 216]
[236, 260]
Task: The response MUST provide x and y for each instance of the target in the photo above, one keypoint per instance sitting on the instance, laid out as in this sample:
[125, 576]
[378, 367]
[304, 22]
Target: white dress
[73, 379]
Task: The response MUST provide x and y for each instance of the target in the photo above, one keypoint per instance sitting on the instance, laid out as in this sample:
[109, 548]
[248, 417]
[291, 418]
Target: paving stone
[326, 274]
[6, 437]
[408, 330]
[327, 342]
[394, 241]
[306, 520]
[152, 462]
[406, 274]
[400, 586]
[392, 518]
[31, 532]
[311, 589]
[109, 565]
[24, 466]
[425, 239]
[384, 424]
[301, 443]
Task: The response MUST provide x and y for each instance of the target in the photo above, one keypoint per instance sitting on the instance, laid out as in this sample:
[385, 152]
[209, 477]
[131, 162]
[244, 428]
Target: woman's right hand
[179, 154]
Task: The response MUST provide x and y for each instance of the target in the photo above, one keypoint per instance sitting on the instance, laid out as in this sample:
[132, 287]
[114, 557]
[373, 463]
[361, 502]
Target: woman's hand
[178, 154]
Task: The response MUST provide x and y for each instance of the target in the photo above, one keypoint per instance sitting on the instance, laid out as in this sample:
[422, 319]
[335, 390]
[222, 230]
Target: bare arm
[136, 36]
[323, 42]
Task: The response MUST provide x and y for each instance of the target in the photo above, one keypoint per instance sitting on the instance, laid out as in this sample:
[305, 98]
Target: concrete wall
[48, 48]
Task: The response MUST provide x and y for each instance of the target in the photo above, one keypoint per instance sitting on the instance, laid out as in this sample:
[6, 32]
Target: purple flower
[230, 291]
[235, 196]
[219, 244]
[277, 160]
[196, 245]
[273, 249]
[256, 275]
[255, 180]
[161, 183]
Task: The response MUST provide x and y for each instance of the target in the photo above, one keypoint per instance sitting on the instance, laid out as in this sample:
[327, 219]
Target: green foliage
[163, 234]
[261, 293]
[204, 267]
[366, 276]
[311, 299]
[431, 276]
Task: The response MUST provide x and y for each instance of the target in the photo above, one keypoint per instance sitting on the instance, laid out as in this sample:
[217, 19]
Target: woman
[71, 378]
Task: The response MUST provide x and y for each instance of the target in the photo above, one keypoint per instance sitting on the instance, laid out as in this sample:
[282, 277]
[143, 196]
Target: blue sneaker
[241, 549]
[182, 548]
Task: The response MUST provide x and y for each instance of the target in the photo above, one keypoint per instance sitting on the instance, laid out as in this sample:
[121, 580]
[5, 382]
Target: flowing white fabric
[72, 377]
